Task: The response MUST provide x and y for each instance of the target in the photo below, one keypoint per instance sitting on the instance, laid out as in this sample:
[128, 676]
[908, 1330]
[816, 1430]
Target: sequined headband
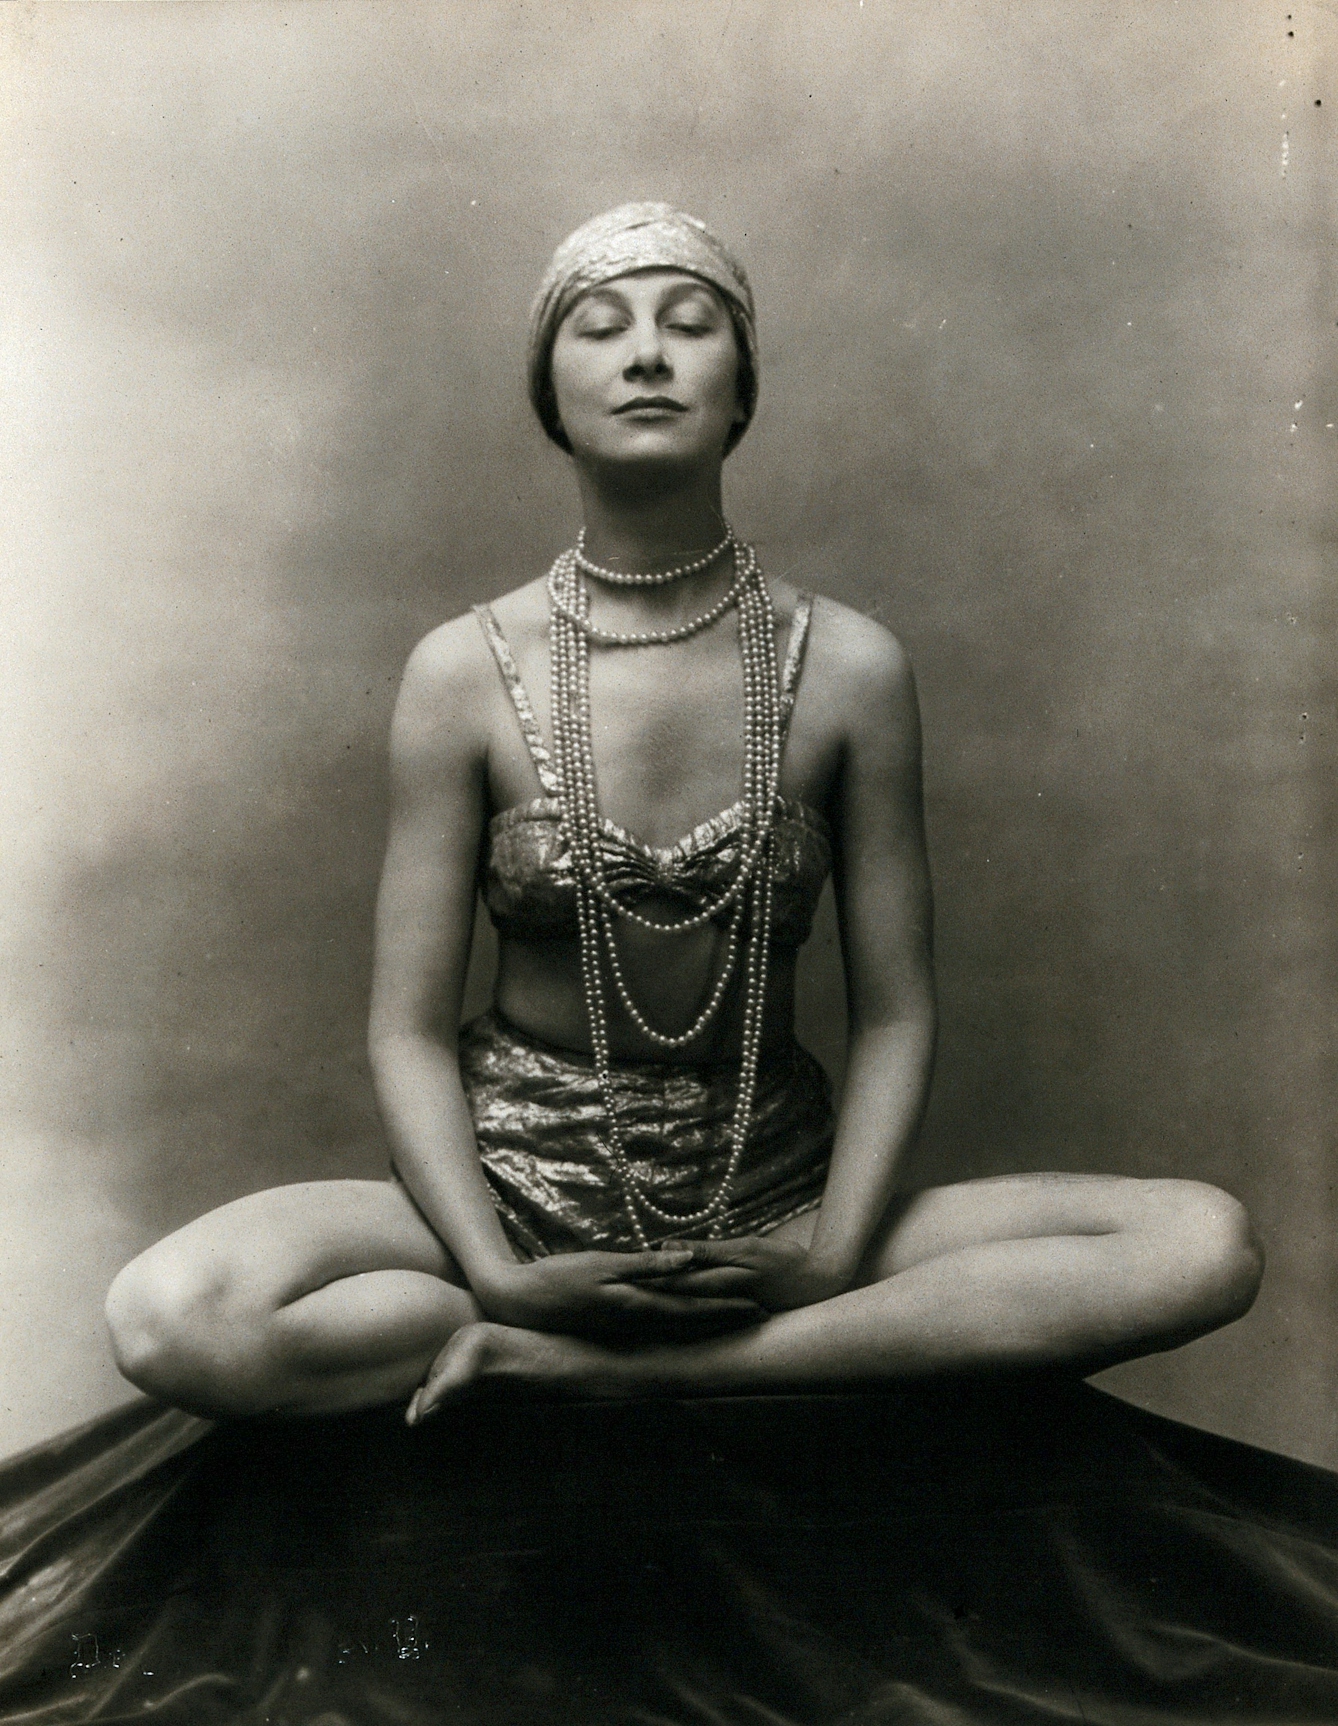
[636, 237]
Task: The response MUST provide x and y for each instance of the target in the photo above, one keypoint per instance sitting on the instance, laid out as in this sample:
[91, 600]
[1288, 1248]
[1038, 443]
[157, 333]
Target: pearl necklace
[643, 637]
[747, 898]
[650, 577]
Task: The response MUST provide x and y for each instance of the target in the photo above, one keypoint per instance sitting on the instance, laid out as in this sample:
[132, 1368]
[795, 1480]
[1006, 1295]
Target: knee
[1217, 1256]
[178, 1334]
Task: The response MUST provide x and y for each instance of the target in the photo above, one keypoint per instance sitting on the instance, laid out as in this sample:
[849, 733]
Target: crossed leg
[1018, 1271]
[336, 1295]
[315, 1298]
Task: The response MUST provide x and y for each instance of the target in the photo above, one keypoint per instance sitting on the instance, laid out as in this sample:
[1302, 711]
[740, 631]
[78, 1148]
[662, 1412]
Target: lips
[661, 404]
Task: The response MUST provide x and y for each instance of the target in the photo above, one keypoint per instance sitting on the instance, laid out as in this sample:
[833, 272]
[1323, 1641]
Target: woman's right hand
[613, 1298]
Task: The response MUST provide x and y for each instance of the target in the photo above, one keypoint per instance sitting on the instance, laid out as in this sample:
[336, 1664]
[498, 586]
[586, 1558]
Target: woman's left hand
[778, 1274]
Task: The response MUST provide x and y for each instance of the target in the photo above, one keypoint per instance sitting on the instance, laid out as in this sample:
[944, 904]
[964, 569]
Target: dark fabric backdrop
[1041, 293]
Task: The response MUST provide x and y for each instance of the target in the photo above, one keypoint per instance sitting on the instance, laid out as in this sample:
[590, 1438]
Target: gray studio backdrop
[1041, 298]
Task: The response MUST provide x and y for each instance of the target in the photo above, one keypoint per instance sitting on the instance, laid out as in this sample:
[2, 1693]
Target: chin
[653, 448]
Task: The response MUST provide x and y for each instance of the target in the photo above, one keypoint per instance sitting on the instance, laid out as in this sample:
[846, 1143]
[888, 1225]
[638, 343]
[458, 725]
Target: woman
[626, 1179]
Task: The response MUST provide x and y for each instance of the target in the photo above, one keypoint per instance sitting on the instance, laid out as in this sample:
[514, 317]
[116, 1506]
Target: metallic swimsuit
[540, 1123]
[527, 878]
[539, 1117]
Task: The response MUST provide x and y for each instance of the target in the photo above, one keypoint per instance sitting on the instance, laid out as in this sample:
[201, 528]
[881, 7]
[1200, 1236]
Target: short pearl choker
[652, 577]
[642, 637]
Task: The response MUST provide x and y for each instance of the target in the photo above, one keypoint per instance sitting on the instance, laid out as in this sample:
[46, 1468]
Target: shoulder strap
[529, 725]
[794, 659]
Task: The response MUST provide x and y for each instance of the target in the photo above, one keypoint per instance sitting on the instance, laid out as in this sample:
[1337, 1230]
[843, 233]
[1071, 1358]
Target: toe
[460, 1367]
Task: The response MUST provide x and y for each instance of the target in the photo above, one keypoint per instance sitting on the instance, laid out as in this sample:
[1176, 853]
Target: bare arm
[885, 908]
[424, 923]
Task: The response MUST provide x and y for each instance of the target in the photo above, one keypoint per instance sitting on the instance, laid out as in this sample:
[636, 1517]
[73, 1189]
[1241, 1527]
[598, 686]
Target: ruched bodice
[530, 889]
[528, 881]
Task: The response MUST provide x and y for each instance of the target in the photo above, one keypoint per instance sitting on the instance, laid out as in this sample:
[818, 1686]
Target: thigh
[288, 1241]
[937, 1220]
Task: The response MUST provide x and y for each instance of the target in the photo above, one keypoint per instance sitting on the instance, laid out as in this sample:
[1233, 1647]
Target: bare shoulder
[522, 615]
[450, 685]
[453, 665]
[442, 680]
[858, 666]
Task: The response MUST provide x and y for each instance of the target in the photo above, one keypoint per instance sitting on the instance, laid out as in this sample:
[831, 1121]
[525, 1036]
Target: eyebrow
[610, 294]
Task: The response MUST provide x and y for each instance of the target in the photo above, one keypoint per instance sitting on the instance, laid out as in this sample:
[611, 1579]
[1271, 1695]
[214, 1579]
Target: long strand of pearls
[748, 896]
[570, 660]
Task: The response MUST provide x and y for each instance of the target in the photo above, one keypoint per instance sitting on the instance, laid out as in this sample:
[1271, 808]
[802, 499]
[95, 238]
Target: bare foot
[487, 1356]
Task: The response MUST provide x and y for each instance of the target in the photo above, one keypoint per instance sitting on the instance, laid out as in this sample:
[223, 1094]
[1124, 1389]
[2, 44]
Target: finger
[741, 1250]
[717, 1280]
[657, 1262]
[620, 1265]
[649, 1302]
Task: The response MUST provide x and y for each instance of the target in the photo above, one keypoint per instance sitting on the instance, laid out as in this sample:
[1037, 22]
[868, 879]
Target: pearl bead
[652, 577]
[748, 897]
[648, 637]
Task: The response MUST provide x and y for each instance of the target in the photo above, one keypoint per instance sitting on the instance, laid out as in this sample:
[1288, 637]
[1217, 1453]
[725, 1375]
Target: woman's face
[645, 368]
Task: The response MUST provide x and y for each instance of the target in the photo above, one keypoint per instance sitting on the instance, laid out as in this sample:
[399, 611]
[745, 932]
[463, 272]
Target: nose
[647, 357]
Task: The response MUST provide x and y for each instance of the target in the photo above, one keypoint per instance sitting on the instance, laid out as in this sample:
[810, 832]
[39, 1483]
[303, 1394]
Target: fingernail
[411, 1413]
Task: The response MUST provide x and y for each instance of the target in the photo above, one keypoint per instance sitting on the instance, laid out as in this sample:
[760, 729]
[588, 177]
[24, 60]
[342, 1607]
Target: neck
[652, 526]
